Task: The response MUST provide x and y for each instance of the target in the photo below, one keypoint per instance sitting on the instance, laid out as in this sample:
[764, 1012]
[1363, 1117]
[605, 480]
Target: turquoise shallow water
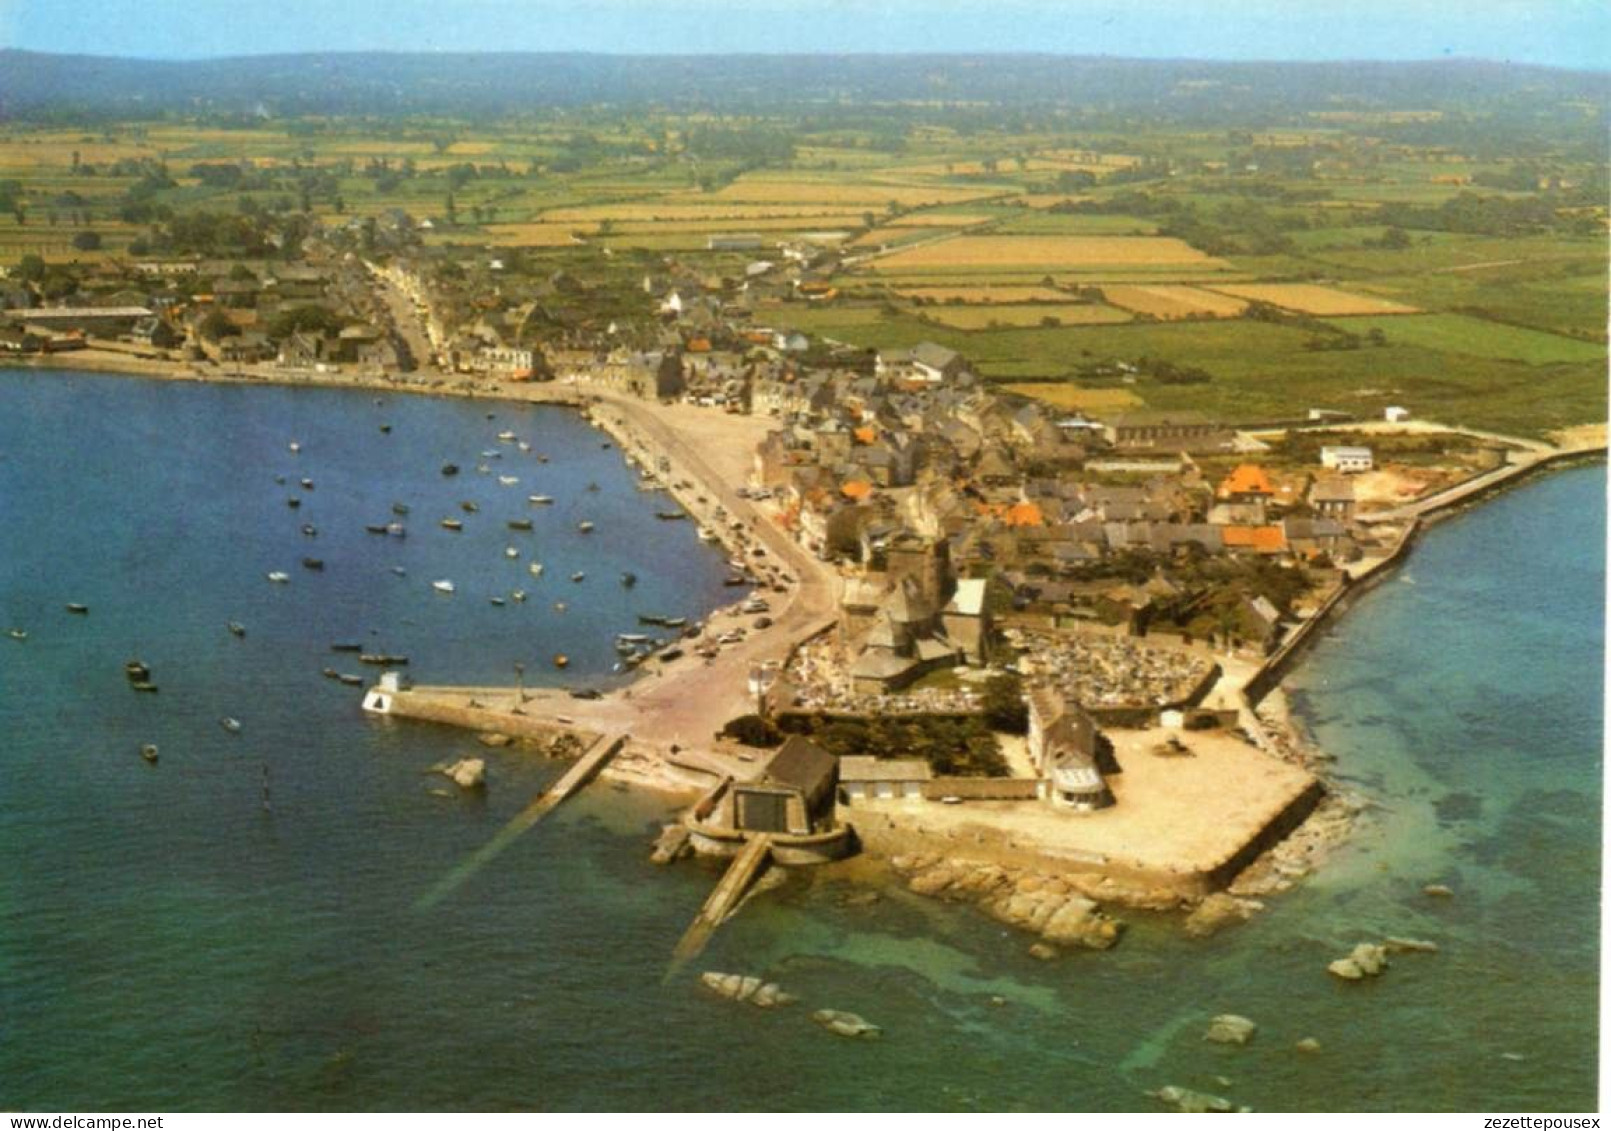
[165, 944]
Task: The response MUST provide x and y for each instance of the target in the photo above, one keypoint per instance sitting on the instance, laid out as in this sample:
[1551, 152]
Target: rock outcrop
[1365, 961]
[1187, 1100]
[1218, 911]
[1230, 1029]
[844, 1024]
[1061, 909]
[466, 773]
[745, 987]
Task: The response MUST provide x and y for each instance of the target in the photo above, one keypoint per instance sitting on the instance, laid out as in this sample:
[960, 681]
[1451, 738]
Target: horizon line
[1211, 60]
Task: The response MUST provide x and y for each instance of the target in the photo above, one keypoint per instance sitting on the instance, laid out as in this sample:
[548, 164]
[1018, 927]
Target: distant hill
[32, 84]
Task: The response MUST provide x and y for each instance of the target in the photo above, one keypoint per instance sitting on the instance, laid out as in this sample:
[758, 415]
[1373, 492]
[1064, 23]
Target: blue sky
[1570, 33]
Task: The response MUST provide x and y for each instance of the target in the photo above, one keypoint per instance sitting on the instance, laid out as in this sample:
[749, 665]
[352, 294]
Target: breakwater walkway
[740, 874]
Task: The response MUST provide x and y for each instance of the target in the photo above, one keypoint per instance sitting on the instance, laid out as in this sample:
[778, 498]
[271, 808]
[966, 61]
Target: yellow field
[984, 294]
[1049, 253]
[1167, 301]
[1309, 298]
[864, 195]
[734, 215]
[940, 220]
[535, 235]
[1031, 314]
[1073, 397]
[750, 224]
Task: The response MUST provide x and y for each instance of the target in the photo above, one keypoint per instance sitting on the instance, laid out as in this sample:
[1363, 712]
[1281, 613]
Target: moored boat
[312, 563]
[136, 671]
[310, 530]
[452, 524]
[233, 725]
[519, 524]
[585, 527]
[279, 576]
[561, 660]
[236, 628]
[540, 500]
[17, 633]
[443, 586]
[535, 569]
[74, 607]
[629, 579]
[148, 751]
[450, 469]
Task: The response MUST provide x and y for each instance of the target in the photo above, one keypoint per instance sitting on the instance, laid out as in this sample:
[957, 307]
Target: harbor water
[178, 936]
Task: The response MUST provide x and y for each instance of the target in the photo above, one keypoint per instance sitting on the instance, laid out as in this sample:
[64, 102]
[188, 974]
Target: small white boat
[706, 534]
[523, 446]
[279, 577]
[511, 552]
[535, 569]
[496, 601]
[400, 571]
[443, 586]
[16, 634]
[578, 576]
[584, 527]
[518, 595]
[507, 437]
[541, 500]
[508, 480]
[149, 752]
[230, 724]
[294, 446]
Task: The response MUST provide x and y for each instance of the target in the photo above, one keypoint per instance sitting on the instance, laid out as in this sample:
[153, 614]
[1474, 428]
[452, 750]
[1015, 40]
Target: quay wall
[422, 707]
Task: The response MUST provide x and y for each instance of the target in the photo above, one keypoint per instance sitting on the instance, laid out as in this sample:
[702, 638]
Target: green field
[1457, 333]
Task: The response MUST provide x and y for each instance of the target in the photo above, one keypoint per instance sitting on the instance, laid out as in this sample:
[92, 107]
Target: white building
[1396, 415]
[1347, 459]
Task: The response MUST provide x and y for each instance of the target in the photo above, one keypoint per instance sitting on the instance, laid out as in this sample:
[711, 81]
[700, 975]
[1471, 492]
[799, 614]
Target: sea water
[168, 942]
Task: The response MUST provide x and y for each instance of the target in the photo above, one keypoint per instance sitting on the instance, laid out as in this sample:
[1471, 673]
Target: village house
[883, 779]
[1346, 459]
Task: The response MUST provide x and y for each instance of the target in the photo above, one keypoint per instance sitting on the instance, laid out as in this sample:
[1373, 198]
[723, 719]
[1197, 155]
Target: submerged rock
[1308, 1044]
[1395, 945]
[1042, 951]
[1439, 890]
[845, 1024]
[1230, 1029]
[493, 738]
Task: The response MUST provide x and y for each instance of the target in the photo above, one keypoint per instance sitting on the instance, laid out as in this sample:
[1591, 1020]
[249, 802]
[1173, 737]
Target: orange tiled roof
[1259, 539]
[1247, 479]
[866, 435]
[856, 489]
[1024, 514]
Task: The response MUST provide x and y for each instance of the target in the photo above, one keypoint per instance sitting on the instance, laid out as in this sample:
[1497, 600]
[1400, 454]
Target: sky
[1564, 33]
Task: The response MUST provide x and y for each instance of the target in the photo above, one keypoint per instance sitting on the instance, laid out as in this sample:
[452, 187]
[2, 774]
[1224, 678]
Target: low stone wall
[426, 708]
[983, 789]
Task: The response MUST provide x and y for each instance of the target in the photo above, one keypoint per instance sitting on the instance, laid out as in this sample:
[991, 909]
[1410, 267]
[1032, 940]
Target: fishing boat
[670, 516]
[376, 527]
[343, 647]
[508, 480]
[279, 577]
[517, 595]
[312, 563]
[562, 660]
[293, 502]
[230, 724]
[450, 469]
[674, 622]
[331, 673]
[511, 552]
[399, 508]
[578, 575]
[310, 530]
[400, 571]
[351, 680]
[74, 607]
[144, 685]
[523, 446]
[148, 751]
[707, 535]
[452, 524]
[535, 569]
[382, 659]
[629, 579]
[236, 628]
[17, 634]
[307, 484]
[519, 524]
[136, 671]
[443, 586]
[507, 437]
[496, 601]
[540, 500]
[585, 527]
[491, 453]
[396, 530]
[294, 446]
[468, 507]
[386, 429]
[633, 638]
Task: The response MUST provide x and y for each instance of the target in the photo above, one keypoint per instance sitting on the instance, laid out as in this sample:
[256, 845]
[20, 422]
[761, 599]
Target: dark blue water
[166, 944]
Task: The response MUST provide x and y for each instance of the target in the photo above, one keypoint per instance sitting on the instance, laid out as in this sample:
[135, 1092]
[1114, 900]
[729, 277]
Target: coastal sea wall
[422, 706]
[1435, 509]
